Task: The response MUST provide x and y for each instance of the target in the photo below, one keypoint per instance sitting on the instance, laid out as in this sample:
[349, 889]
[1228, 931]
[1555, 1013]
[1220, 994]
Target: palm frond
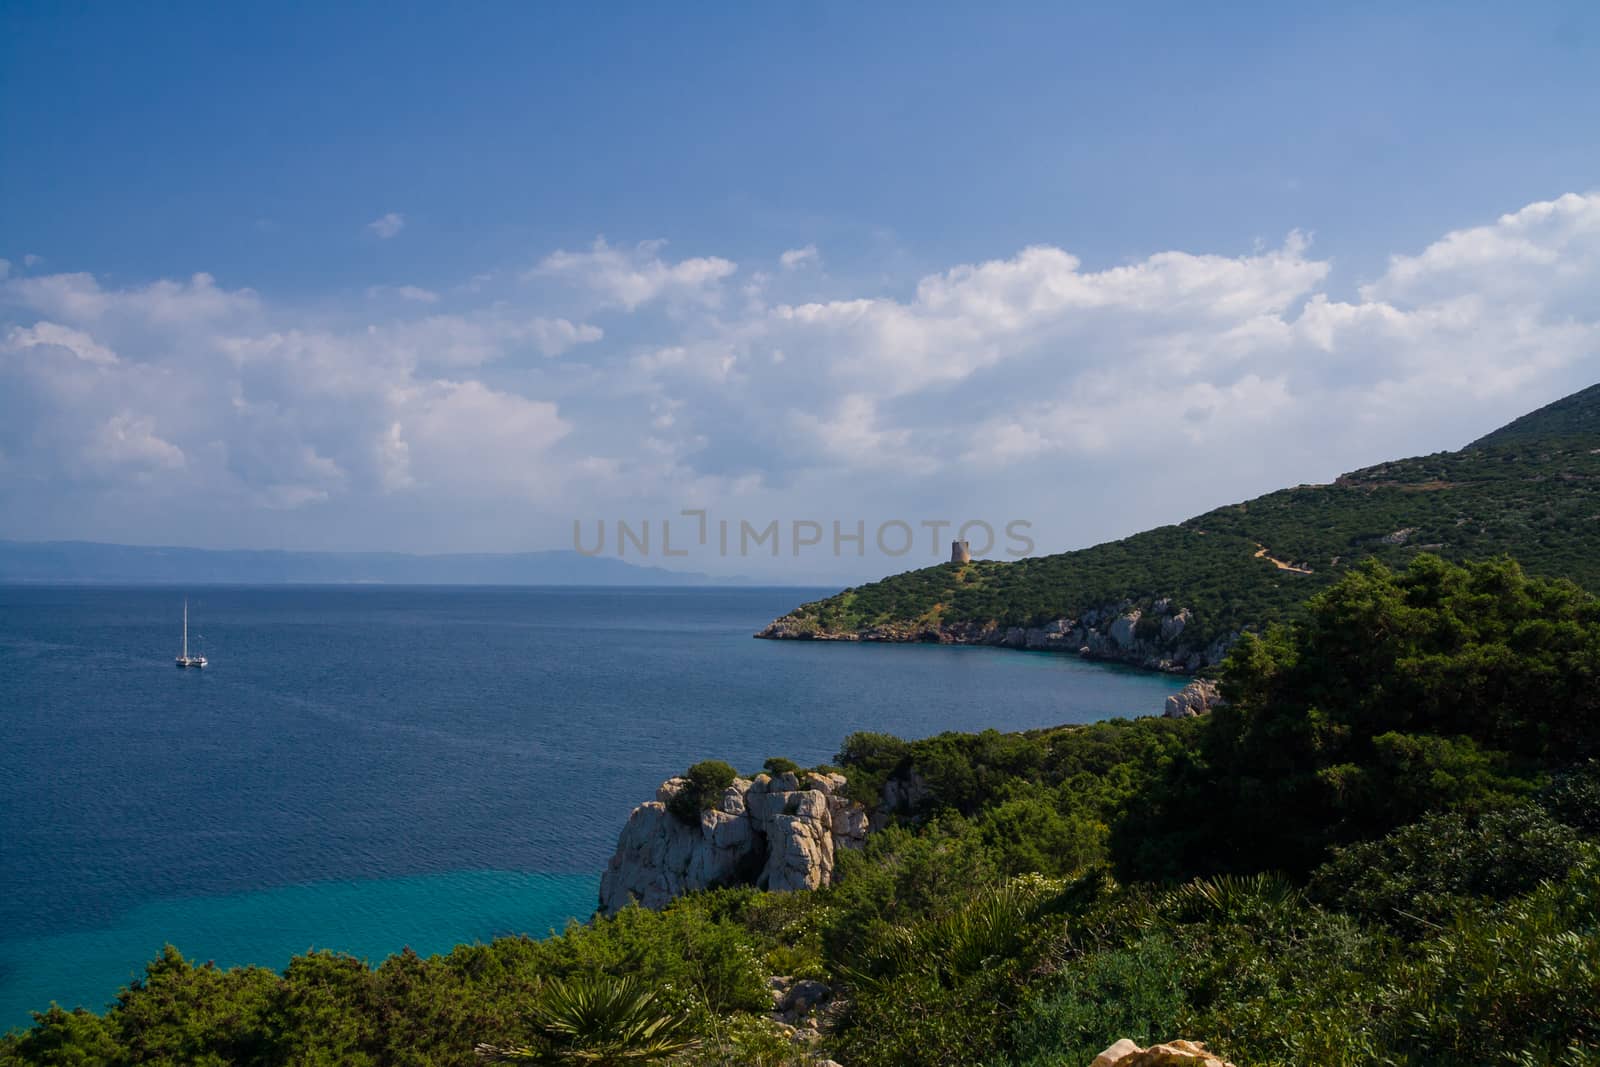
[598, 1021]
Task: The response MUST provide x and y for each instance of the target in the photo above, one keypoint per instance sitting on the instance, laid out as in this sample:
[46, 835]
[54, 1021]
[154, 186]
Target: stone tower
[960, 552]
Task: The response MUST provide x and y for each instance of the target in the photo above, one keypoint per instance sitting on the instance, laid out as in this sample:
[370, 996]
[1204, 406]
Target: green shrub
[1097, 999]
[60, 1038]
[869, 759]
[1440, 688]
[1574, 798]
[705, 783]
[777, 765]
[598, 1019]
[1417, 877]
[1517, 984]
[1027, 833]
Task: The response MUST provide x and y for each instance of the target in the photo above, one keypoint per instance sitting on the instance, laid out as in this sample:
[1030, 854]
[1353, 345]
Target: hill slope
[1174, 597]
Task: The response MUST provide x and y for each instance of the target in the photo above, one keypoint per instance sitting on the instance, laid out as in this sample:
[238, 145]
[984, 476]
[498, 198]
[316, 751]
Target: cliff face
[770, 832]
[1151, 635]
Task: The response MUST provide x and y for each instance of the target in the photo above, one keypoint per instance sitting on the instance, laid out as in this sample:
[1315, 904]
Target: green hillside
[1531, 490]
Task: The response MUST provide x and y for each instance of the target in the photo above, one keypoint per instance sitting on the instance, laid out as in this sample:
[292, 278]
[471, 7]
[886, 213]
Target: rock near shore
[1196, 698]
[772, 832]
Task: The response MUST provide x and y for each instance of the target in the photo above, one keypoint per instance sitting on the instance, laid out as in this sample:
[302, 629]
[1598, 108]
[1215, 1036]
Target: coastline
[1115, 634]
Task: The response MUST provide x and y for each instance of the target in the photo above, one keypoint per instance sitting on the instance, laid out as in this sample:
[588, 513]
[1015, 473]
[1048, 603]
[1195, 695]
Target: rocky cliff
[772, 832]
[1150, 634]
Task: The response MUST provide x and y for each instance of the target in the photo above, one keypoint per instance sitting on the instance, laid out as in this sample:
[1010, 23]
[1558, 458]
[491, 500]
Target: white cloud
[192, 391]
[1006, 364]
[387, 226]
[796, 258]
[1540, 251]
[129, 440]
[631, 277]
[1093, 400]
[79, 298]
[480, 337]
[53, 334]
[414, 293]
[462, 435]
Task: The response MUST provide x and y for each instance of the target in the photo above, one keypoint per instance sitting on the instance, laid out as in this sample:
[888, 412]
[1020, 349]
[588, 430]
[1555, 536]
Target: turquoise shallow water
[364, 769]
[370, 919]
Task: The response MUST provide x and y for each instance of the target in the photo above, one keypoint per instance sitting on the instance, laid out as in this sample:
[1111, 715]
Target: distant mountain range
[86, 561]
[1174, 597]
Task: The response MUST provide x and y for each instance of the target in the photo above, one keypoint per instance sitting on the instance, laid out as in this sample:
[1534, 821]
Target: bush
[1096, 999]
[1417, 877]
[1029, 834]
[1574, 798]
[1439, 688]
[777, 765]
[705, 782]
[1519, 984]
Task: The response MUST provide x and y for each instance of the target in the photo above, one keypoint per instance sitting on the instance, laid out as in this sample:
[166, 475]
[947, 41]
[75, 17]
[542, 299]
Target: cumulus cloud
[388, 225]
[631, 277]
[80, 298]
[1030, 382]
[1246, 360]
[191, 390]
[52, 334]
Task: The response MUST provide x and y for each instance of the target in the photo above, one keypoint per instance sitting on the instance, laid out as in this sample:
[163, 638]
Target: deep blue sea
[364, 769]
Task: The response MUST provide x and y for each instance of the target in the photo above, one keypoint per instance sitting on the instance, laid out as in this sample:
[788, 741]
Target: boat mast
[185, 627]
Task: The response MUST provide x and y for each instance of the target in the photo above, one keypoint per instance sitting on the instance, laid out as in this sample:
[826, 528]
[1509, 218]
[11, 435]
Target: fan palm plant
[597, 1021]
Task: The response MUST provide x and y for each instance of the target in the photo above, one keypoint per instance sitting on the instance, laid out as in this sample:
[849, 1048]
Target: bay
[369, 768]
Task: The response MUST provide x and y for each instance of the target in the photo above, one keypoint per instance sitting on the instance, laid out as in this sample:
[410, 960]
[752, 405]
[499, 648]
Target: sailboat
[186, 660]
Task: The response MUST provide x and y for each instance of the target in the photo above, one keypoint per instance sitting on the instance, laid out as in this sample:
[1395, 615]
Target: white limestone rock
[1196, 698]
[767, 831]
[1123, 630]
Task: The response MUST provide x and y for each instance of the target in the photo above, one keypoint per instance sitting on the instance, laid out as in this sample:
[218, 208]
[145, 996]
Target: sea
[365, 769]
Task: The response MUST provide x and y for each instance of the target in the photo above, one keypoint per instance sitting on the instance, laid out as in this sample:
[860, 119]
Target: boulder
[1172, 1054]
[1196, 698]
[767, 831]
[1121, 1050]
[805, 995]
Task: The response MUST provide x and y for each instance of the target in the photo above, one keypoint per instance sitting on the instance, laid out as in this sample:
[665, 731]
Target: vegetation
[597, 1020]
[705, 782]
[1530, 490]
[1385, 850]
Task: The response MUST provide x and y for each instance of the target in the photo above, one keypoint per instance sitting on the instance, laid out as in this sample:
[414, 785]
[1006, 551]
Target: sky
[445, 278]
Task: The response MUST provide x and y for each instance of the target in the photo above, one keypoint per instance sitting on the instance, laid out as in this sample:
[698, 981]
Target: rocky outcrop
[1156, 634]
[775, 833]
[1196, 698]
[1172, 1054]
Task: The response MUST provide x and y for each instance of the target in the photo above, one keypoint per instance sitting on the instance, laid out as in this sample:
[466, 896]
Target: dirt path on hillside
[1261, 553]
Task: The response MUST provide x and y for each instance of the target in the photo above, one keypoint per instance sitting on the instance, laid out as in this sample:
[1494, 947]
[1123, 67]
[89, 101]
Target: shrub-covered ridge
[1530, 490]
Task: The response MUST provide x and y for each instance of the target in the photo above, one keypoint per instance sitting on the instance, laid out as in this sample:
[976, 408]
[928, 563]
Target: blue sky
[472, 272]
